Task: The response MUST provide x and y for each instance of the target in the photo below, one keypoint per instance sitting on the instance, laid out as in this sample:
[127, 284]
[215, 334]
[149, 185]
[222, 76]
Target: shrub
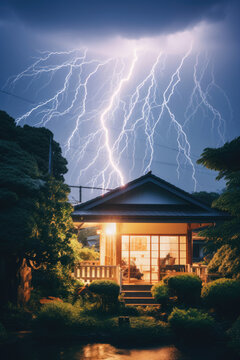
[234, 335]
[107, 292]
[223, 295]
[56, 318]
[143, 329]
[3, 334]
[192, 325]
[149, 310]
[55, 282]
[160, 293]
[15, 317]
[187, 288]
[74, 290]
[130, 310]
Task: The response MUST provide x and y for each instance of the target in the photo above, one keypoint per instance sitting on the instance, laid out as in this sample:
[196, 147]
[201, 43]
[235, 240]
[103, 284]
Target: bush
[74, 290]
[55, 282]
[192, 325]
[187, 288]
[129, 310]
[160, 293]
[142, 329]
[234, 335]
[107, 292]
[56, 318]
[15, 317]
[223, 295]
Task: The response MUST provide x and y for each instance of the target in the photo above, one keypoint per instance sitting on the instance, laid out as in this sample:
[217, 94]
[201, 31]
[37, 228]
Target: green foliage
[35, 215]
[192, 325]
[187, 288]
[107, 292]
[82, 253]
[150, 310]
[130, 310]
[84, 233]
[55, 281]
[223, 295]
[206, 197]
[15, 318]
[56, 317]
[226, 261]
[141, 330]
[65, 320]
[145, 329]
[225, 160]
[234, 335]
[160, 292]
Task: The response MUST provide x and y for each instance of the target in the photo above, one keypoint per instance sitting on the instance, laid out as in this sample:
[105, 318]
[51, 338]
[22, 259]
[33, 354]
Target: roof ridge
[139, 179]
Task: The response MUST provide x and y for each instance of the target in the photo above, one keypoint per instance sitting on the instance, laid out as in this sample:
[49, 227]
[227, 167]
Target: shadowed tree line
[35, 219]
[223, 240]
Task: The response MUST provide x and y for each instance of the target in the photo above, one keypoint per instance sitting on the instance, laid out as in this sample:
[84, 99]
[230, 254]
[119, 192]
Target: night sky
[125, 86]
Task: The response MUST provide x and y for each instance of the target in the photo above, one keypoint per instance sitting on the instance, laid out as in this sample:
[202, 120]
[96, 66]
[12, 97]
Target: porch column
[189, 244]
[118, 243]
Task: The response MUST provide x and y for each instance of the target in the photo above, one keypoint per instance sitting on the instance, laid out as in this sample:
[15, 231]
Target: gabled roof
[146, 199]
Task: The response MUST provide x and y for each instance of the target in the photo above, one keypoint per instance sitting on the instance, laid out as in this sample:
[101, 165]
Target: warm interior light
[111, 229]
[98, 232]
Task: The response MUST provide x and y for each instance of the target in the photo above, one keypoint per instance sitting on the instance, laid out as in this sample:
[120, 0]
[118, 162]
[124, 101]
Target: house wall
[153, 228]
[110, 244]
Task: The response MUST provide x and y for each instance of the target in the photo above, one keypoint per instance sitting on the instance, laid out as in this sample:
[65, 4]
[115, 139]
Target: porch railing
[92, 270]
[89, 272]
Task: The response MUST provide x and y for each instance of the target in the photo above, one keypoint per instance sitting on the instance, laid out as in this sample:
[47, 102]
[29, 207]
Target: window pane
[125, 243]
[183, 261]
[183, 247]
[168, 239]
[154, 239]
[183, 239]
[139, 243]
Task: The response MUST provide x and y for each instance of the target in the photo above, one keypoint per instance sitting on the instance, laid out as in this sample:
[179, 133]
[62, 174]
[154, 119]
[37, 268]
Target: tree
[206, 197]
[35, 220]
[223, 240]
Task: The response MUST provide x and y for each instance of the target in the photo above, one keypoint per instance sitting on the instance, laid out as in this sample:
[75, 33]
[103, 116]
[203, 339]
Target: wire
[17, 96]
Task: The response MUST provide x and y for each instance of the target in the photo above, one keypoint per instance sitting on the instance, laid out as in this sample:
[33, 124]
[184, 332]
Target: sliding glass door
[144, 257]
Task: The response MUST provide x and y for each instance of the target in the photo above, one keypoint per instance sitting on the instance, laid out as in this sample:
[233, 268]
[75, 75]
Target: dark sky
[109, 29]
[132, 18]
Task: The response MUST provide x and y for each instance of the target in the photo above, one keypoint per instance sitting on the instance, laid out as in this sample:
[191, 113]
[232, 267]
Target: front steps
[138, 295]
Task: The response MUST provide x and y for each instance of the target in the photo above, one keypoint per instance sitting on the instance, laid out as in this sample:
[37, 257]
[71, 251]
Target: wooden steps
[138, 295]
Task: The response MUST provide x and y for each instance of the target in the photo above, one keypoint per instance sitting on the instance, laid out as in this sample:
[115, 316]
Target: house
[145, 230]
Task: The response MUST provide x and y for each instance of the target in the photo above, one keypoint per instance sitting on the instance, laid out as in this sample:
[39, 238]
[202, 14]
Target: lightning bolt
[113, 109]
[199, 98]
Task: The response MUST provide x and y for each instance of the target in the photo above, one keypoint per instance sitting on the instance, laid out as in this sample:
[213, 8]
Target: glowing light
[110, 229]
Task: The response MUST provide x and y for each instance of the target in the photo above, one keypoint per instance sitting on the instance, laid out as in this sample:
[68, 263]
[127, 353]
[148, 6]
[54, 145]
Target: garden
[188, 313]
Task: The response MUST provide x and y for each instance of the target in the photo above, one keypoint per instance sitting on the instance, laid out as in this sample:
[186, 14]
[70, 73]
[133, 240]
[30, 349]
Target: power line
[158, 145]
[17, 96]
[79, 187]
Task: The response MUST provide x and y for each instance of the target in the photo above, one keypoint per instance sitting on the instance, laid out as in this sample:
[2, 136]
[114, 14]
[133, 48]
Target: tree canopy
[223, 240]
[35, 213]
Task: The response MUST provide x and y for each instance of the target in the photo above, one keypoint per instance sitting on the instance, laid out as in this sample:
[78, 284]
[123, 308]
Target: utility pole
[50, 156]
[80, 187]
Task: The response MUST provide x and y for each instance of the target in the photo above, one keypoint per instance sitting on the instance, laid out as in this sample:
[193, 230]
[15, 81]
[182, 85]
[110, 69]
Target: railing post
[120, 279]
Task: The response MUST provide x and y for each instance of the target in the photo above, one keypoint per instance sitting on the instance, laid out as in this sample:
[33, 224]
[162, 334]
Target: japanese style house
[145, 229]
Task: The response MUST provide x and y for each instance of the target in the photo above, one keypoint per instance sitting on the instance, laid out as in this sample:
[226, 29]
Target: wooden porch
[89, 271]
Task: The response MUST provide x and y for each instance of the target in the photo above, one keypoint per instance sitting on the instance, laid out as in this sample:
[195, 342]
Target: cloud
[127, 18]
